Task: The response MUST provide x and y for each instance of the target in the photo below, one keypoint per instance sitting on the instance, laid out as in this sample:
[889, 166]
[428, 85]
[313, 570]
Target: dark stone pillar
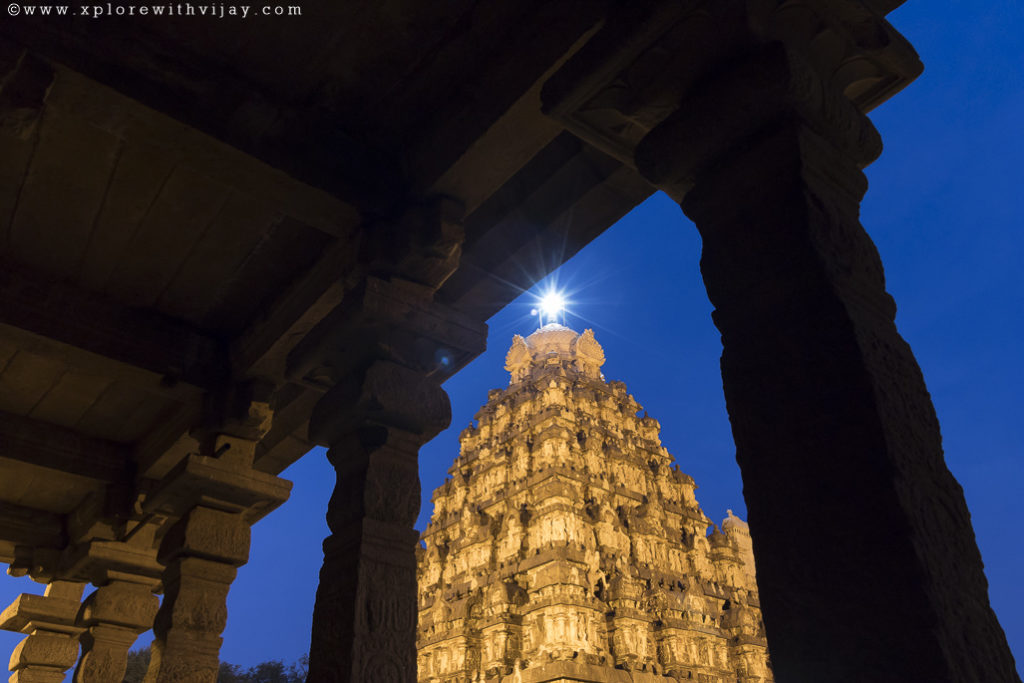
[381, 357]
[364, 624]
[866, 559]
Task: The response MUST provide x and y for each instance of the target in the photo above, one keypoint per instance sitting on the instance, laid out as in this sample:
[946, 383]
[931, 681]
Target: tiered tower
[567, 546]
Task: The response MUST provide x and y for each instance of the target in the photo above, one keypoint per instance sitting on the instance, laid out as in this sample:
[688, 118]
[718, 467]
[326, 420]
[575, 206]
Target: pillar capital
[833, 58]
[423, 245]
[208, 533]
[49, 621]
[120, 603]
[389, 319]
[215, 483]
[236, 416]
[55, 611]
[385, 396]
[771, 89]
[113, 617]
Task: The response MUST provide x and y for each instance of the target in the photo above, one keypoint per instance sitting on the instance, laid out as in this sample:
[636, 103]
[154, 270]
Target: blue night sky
[945, 211]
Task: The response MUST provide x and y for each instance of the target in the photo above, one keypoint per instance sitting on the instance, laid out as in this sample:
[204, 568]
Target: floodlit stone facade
[567, 546]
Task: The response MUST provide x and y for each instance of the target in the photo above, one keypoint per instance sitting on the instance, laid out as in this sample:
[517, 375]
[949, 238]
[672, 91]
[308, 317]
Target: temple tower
[567, 546]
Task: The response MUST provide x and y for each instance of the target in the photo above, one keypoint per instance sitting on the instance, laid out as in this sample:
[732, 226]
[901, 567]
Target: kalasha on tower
[567, 546]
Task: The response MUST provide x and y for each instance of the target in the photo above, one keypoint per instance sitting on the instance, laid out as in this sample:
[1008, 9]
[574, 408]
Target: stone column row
[106, 625]
[190, 535]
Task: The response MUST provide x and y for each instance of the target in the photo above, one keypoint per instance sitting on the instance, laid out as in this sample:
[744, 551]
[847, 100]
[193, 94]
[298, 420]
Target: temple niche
[568, 546]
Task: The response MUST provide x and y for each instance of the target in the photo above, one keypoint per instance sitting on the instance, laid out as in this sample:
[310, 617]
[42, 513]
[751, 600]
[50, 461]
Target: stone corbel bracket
[850, 43]
[635, 72]
[100, 562]
[29, 613]
[386, 319]
[207, 481]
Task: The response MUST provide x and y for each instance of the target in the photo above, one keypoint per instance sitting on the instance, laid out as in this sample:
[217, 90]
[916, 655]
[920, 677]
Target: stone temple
[567, 545]
[222, 244]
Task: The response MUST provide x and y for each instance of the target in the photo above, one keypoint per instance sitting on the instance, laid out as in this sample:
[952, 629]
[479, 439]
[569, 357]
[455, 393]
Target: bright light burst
[552, 305]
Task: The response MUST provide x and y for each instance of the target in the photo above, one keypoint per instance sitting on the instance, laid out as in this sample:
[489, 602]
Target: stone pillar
[215, 496]
[866, 559]
[381, 357]
[202, 553]
[364, 623]
[113, 617]
[51, 647]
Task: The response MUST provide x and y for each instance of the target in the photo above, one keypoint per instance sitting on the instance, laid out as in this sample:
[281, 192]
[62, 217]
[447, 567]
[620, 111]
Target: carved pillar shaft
[381, 355]
[114, 616]
[364, 623]
[363, 614]
[202, 553]
[215, 497]
[866, 558]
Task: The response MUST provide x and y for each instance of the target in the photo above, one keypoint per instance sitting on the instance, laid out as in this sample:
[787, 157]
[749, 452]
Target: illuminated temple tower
[568, 547]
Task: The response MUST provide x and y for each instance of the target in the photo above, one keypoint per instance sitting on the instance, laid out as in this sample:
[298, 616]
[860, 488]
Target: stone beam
[378, 315]
[20, 526]
[135, 123]
[90, 332]
[472, 145]
[637, 69]
[307, 143]
[45, 445]
[262, 347]
[168, 442]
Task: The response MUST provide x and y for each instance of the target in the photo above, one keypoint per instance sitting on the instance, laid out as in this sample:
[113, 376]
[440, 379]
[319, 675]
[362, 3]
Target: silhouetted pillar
[381, 357]
[51, 645]
[364, 624]
[113, 616]
[866, 559]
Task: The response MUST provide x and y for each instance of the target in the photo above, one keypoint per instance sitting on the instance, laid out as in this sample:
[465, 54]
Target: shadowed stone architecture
[567, 546]
[225, 242]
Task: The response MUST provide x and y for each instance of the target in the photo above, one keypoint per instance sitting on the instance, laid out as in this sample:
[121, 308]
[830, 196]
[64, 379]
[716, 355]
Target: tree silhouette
[273, 671]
